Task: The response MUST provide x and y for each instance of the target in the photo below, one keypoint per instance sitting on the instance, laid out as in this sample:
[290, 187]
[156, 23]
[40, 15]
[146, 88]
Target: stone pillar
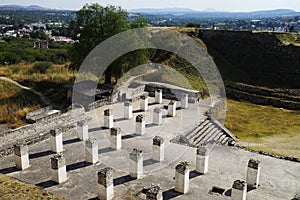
[83, 131]
[172, 109]
[21, 156]
[184, 101]
[105, 184]
[158, 149]
[157, 116]
[91, 151]
[182, 177]
[144, 102]
[140, 125]
[56, 140]
[253, 173]
[158, 96]
[115, 138]
[239, 190]
[202, 160]
[58, 166]
[136, 163]
[153, 193]
[127, 110]
[108, 118]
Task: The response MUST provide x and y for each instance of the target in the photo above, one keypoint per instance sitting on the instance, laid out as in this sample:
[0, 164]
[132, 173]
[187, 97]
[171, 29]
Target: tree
[94, 24]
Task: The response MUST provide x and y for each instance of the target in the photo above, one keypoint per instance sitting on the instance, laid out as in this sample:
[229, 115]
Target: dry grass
[265, 128]
[13, 189]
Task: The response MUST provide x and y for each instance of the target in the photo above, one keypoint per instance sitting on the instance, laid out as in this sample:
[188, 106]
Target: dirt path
[42, 97]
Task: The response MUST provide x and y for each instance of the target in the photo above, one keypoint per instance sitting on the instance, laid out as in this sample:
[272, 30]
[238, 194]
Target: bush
[41, 67]
[9, 58]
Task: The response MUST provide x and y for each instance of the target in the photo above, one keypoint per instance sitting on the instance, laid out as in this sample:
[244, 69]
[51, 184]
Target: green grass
[264, 128]
[11, 188]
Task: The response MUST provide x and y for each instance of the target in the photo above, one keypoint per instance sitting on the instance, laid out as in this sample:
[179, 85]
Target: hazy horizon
[219, 5]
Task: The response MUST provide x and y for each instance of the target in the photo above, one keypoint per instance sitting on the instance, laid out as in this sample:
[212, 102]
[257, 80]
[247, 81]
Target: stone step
[225, 140]
[197, 129]
[204, 135]
[221, 138]
[208, 134]
[201, 132]
[214, 134]
[220, 133]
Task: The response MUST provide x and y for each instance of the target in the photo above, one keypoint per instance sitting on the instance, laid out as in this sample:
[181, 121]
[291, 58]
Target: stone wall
[287, 99]
[40, 130]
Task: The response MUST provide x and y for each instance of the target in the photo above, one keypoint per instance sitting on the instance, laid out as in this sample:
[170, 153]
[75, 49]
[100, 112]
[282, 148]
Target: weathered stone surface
[20, 149]
[239, 184]
[157, 140]
[144, 96]
[115, 131]
[107, 112]
[181, 168]
[253, 163]
[127, 103]
[202, 151]
[105, 176]
[140, 118]
[157, 110]
[90, 142]
[56, 131]
[136, 155]
[58, 161]
[153, 192]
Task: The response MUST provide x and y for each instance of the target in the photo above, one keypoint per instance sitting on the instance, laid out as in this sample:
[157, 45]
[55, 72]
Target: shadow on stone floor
[124, 137]
[122, 180]
[170, 194]
[46, 184]
[71, 141]
[149, 162]
[8, 170]
[194, 174]
[94, 129]
[105, 150]
[78, 165]
[40, 154]
[120, 119]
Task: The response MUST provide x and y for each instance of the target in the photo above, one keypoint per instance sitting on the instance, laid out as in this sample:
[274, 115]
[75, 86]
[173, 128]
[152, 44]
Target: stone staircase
[208, 130]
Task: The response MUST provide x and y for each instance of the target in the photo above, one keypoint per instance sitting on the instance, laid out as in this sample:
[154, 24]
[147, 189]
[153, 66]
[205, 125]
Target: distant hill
[20, 8]
[215, 13]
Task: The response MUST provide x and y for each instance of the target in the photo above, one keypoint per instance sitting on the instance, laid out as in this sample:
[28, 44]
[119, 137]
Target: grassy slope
[265, 128]
[15, 103]
[13, 189]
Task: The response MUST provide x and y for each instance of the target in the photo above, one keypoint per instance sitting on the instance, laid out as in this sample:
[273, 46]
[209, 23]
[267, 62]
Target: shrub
[41, 67]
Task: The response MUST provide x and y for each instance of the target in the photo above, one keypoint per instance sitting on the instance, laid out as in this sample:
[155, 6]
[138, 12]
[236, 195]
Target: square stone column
[253, 173]
[182, 178]
[202, 160]
[158, 96]
[136, 163]
[153, 193]
[185, 101]
[108, 118]
[56, 140]
[91, 151]
[140, 125]
[105, 184]
[172, 109]
[21, 156]
[115, 138]
[157, 116]
[158, 149]
[58, 166]
[83, 131]
[144, 102]
[239, 190]
[127, 110]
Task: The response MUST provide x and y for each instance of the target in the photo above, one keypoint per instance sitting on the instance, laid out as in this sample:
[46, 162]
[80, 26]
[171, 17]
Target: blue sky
[223, 5]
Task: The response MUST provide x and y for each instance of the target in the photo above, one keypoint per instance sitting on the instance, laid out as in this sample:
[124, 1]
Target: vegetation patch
[11, 188]
[264, 128]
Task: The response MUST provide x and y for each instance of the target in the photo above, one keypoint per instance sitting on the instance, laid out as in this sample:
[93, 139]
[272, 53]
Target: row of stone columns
[239, 187]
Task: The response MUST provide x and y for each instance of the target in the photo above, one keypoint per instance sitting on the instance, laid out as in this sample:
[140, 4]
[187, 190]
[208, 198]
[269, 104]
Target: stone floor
[279, 179]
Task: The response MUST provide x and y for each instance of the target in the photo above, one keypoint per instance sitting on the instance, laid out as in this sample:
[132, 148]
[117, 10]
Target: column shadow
[105, 150]
[40, 154]
[124, 137]
[8, 170]
[137, 111]
[149, 162]
[122, 180]
[94, 129]
[194, 174]
[46, 184]
[120, 119]
[70, 141]
[150, 125]
[78, 165]
[170, 194]
[228, 192]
